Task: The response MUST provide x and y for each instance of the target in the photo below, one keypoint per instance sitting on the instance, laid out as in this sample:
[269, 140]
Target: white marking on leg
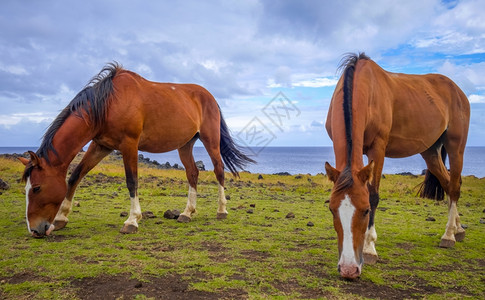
[451, 224]
[64, 211]
[370, 240]
[346, 212]
[191, 202]
[135, 212]
[222, 201]
[28, 186]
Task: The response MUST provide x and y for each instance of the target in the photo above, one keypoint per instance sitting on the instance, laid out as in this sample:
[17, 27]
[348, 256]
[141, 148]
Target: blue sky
[252, 55]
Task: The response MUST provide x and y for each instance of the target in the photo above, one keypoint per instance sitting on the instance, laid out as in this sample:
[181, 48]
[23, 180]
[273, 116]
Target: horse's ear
[24, 160]
[34, 159]
[332, 173]
[365, 174]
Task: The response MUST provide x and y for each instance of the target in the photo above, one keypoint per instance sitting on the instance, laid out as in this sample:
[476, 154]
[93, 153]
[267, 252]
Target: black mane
[92, 100]
[348, 64]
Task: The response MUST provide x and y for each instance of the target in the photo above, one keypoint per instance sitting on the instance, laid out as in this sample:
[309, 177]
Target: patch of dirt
[124, 287]
[416, 289]
[292, 286]
[254, 255]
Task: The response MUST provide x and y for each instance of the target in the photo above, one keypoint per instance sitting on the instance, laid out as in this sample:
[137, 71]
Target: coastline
[411, 166]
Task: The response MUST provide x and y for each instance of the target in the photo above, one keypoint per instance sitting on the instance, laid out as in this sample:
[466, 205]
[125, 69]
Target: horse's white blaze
[135, 212]
[28, 186]
[191, 202]
[346, 212]
[222, 201]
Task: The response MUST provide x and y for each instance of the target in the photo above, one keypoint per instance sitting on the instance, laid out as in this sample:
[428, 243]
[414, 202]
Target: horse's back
[424, 107]
[161, 116]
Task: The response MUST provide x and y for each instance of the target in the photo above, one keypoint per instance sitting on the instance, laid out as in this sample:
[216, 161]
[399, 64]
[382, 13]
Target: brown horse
[378, 113]
[120, 110]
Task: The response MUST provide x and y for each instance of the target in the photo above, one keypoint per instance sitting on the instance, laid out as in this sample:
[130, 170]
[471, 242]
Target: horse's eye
[366, 212]
[36, 189]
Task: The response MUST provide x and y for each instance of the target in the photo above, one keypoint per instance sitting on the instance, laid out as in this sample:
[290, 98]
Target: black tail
[431, 187]
[231, 154]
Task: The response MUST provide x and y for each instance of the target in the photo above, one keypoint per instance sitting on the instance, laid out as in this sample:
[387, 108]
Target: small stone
[464, 226]
[176, 213]
[4, 185]
[430, 219]
[138, 285]
[228, 197]
[123, 214]
[482, 221]
[260, 176]
[250, 211]
[76, 204]
[290, 215]
[148, 215]
[310, 224]
[168, 214]
[252, 205]
[276, 210]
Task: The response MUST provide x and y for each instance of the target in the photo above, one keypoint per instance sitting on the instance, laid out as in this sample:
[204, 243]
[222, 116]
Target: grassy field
[256, 253]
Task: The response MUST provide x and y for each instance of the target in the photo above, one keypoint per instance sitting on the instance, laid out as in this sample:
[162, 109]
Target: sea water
[306, 160]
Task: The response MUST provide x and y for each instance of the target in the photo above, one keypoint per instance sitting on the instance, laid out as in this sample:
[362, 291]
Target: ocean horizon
[305, 160]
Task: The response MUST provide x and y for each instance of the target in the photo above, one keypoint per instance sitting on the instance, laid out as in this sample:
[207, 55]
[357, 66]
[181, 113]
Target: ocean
[307, 160]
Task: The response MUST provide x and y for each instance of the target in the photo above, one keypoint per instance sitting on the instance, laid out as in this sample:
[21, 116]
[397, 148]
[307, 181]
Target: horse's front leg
[90, 159]
[130, 160]
[375, 154]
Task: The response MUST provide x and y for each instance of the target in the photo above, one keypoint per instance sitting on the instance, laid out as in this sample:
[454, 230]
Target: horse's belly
[404, 147]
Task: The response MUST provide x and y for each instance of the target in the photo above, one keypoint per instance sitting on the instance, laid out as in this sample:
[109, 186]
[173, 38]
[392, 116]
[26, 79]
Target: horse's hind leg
[91, 158]
[456, 149]
[192, 173]
[435, 165]
[212, 145]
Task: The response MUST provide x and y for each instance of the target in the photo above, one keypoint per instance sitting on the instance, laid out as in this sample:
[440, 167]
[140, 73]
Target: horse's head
[349, 204]
[45, 189]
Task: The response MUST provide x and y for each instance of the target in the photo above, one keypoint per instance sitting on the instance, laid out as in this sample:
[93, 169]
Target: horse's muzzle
[42, 230]
[349, 271]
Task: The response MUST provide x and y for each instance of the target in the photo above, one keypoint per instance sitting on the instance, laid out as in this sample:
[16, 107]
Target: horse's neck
[69, 139]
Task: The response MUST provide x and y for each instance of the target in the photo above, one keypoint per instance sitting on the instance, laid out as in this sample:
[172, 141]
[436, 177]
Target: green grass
[257, 256]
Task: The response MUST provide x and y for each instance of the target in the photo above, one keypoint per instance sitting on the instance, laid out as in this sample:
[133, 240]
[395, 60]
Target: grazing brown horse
[378, 113]
[120, 110]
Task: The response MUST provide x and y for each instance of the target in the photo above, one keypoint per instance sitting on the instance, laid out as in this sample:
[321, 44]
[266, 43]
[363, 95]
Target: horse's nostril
[46, 228]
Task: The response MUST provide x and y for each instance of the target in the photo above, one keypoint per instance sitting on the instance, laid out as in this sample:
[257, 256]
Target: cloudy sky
[253, 56]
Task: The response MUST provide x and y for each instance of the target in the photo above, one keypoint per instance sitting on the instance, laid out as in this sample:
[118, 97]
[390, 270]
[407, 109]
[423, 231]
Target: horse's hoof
[59, 224]
[370, 259]
[129, 229]
[460, 236]
[183, 219]
[221, 216]
[447, 243]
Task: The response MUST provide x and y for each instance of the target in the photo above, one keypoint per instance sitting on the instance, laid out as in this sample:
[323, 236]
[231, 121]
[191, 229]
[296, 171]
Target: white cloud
[240, 51]
[476, 98]
[317, 82]
[459, 30]
[34, 117]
